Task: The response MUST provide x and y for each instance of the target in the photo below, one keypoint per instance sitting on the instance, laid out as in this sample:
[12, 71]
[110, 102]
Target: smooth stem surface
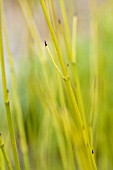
[6, 99]
[67, 33]
[54, 38]
[19, 118]
[74, 69]
[65, 39]
[2, 162]
[5, 153]
[50, 54]
[74, 38]
[64, 69]
[76, 115]
[94, 58]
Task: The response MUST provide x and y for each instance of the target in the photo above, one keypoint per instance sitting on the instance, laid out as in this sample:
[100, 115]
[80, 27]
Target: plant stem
[67, 33]
[6, 98]
[74, 38]
[19, 118]
[76, 113]
[2, 162]
[64, 69]
[5, 153]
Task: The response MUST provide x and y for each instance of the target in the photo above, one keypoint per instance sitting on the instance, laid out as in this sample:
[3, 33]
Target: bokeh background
[38, 93]
[17, 28]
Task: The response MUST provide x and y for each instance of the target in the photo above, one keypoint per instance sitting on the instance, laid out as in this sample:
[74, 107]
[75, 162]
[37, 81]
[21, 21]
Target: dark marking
[59, 21]
[45, 43]
[92, 151]
[66, 78]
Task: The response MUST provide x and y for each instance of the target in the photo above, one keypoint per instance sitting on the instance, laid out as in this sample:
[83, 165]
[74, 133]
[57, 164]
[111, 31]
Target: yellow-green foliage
[61, 95]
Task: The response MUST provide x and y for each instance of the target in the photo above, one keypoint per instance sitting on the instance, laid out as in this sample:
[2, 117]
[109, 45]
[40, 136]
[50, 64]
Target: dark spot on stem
[66, 78]
[7, 91]
[92, 151]
[67, 65]
[59, 21]
[45, 43]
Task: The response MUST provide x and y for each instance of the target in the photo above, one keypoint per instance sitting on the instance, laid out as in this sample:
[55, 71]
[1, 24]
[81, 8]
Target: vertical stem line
[19, 118]
[77, 114]
[64, 69]
[5, 153]
[6, 98]
[74, 38]
[54, 38]
[67, 33]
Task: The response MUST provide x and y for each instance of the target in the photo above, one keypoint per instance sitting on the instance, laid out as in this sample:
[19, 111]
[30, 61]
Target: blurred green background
[40, 93]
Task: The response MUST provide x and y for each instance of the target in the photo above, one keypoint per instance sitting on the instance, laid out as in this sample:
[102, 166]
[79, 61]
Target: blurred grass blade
[6, 98]
[66, 26]
[74, 39]
[19, 118]
[5, 153]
